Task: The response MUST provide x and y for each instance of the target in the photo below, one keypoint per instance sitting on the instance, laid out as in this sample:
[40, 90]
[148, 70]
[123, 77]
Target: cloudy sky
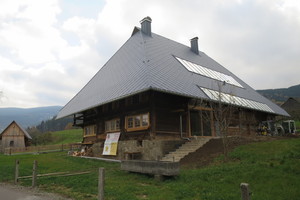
[50, 49]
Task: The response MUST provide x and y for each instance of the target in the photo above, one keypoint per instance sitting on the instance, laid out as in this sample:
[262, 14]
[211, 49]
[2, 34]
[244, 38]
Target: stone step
[180, 153]
[185, 149]
[171, 160]
[176, 156]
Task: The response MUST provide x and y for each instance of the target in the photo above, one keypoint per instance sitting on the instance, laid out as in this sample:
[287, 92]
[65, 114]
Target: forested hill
[282, 94]
[26, 117]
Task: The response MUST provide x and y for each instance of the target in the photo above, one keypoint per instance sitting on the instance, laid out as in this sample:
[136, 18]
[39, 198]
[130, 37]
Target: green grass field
[67, 136]
[271, 168]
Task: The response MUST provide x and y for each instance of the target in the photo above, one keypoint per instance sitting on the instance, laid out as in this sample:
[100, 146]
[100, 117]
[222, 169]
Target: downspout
[181, 134]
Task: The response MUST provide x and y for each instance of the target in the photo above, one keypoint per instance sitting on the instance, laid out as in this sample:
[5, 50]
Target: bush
[42, 138]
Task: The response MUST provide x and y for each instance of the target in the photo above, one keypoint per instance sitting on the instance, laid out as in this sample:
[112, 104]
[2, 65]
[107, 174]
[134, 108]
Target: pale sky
[49, 49]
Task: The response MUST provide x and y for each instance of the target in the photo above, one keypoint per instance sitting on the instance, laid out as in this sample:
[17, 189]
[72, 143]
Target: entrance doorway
[201, 123]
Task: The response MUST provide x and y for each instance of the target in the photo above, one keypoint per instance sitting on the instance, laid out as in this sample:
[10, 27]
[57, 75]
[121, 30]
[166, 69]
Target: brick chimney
[194, 45]
[146, 25]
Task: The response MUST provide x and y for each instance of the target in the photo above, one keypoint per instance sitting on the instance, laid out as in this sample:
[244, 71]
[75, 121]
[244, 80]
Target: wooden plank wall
[15, 134]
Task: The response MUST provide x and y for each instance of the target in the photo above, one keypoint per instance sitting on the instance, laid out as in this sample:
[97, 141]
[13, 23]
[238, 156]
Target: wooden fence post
[34, 173]
[246, 194]
[101, 184]
[17, 171]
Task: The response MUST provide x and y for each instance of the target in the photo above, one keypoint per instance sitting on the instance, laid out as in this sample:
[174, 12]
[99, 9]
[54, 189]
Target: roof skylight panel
[249, 105]
[198, 69]
[245, 102]
[226, 98]
[214, 74]
[256, 105]
[234, 82]
[239, 101]
[208, 93]
[208, 72]
[268, 108]
[219, 76]
[253, 105]
[186, 64]
[214, 94]
[191, 66]
[260, 106]
[201, 69]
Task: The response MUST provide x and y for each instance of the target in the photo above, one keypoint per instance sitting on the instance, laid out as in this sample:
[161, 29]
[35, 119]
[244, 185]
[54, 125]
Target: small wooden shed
[292, 106]
[14, 136]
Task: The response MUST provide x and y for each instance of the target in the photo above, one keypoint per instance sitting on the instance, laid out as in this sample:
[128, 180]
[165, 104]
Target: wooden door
[200, 123]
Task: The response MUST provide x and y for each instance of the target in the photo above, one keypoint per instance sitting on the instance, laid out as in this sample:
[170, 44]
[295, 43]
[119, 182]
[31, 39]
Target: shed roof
[22, 129]
[297, 99]
[155, 63]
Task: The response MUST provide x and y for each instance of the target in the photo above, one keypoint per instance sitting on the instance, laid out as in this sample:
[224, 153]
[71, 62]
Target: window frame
[134, 118]
[108, 125]
[90, 128]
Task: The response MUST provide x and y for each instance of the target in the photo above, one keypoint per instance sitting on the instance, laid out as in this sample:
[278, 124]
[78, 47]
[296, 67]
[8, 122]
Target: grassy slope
[271, 168]
[67, 136]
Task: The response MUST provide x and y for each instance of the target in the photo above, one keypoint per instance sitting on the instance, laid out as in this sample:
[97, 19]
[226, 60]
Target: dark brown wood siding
[168, 110]
[165, 112]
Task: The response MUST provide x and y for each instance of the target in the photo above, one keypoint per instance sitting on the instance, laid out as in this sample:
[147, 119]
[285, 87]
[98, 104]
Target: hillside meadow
[67, 136]
[271, 168]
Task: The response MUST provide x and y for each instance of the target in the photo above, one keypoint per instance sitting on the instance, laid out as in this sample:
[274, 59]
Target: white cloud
[27, 28]
[46, 59]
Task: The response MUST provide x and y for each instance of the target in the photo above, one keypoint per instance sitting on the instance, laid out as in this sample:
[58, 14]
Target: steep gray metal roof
[149, 62]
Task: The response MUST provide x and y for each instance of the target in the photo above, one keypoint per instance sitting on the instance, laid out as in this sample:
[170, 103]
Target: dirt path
[12, 192]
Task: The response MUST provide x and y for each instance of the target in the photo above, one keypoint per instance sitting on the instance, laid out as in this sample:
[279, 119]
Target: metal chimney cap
[146, 19]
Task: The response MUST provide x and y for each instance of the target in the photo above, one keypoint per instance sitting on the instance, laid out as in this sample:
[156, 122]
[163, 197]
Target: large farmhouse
[155, 92]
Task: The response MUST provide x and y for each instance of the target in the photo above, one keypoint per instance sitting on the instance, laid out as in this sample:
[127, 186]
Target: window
[89, 131]
[137, 122]
[130, 122]
[112, 125]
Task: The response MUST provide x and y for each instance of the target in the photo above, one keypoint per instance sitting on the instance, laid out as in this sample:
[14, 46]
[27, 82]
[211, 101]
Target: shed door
[200, 123]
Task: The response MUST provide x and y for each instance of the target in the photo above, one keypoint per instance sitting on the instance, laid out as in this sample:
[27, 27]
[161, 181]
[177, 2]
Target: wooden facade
[153, 115]
[14, 136]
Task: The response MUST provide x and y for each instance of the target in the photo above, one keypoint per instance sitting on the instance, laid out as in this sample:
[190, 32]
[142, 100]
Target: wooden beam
[188, 123]
[178, 110]
[57, 174]
[153, 116]
[199, 108]
[213, 130]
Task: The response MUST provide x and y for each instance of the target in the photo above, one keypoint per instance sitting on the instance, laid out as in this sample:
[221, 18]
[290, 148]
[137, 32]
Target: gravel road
[12, 192]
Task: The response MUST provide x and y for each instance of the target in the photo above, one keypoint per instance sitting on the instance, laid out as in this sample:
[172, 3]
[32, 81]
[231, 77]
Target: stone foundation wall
[149, 149]
[155, 150]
